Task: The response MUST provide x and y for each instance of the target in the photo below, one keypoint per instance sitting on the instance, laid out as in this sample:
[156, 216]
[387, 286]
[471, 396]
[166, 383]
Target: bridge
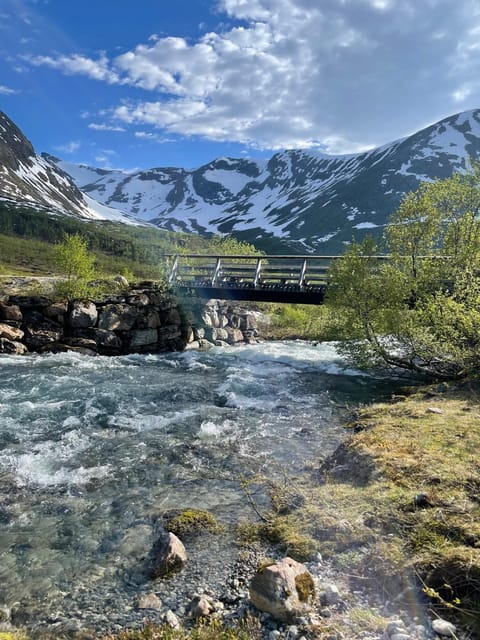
[280, 278]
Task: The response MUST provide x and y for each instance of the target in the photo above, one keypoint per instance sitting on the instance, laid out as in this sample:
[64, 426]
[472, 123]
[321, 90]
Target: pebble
[331, 595]
[172, 620]
[444, 628]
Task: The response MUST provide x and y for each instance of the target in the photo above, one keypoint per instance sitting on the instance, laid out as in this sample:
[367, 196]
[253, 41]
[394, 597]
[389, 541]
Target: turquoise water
[94, 450]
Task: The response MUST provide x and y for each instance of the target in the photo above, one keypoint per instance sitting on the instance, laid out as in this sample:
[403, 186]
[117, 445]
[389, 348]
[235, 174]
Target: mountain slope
[30, 180]
[296, 201]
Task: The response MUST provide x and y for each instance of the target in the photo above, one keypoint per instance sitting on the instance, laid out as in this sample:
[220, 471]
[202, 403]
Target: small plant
[76, 264]
[193, 522]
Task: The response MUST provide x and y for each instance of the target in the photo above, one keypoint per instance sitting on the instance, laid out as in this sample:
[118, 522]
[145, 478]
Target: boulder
[106, 340]
[83, 314]
[150, 601]
[118, 317]
[121, 281]
[284, 589]
[40, 331]
[12, 347]
[142, 338]
[168, 555]
[200, 607]
[444, 628]
[10, 313]
[56, 311]
[10, 333]
[234, 335]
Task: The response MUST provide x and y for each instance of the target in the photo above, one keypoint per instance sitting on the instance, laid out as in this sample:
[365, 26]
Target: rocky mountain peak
[14, 146]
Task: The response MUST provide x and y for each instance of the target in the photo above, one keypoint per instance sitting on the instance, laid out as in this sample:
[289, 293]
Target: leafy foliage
[418, 310]
[77, 265]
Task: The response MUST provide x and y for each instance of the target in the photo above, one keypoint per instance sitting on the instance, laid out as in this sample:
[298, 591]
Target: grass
[399, 503]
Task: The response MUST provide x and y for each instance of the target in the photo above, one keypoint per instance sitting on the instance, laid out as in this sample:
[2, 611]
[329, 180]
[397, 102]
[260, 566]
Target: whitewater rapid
[93, 450]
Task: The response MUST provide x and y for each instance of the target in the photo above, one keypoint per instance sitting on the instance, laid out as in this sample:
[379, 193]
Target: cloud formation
[7, 91]
[341, 76]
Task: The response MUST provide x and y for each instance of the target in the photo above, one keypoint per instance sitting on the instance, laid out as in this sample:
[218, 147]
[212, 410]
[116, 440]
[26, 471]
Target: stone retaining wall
[144, 320]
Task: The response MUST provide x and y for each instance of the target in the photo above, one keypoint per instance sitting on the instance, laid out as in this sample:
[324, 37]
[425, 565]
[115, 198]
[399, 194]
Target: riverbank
[394, 511]
[394, 518]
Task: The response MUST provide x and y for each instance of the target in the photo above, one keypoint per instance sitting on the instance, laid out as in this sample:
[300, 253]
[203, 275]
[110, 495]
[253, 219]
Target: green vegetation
[249, 629]
[76, 264]
[28, 239]
[426, 298]
[192, 522]
[396, 505]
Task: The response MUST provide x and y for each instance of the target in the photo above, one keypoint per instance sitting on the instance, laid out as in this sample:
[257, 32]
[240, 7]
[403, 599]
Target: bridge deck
[284, 278]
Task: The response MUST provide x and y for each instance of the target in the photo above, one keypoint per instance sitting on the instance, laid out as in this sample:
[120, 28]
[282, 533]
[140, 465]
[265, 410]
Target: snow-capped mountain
[31, 180]
[296, 201]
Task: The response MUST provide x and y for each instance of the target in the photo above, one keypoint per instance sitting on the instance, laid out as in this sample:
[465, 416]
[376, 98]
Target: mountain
[298, 201]
[30, 180]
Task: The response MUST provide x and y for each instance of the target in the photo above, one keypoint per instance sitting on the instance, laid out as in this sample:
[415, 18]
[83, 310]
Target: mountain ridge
[298, 200]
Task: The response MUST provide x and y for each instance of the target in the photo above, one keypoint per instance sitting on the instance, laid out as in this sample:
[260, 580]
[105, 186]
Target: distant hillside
[298, 201]
[32, 181]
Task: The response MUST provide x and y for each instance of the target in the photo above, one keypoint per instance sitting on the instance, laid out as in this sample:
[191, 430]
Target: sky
[130, 84]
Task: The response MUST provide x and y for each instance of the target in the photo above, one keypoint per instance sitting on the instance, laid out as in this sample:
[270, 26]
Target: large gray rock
[83, 314]
[142, 338]
[444, 628]
[12, 347]
[10, 333]
[168, 555]
[10, 313]
[284, 589]
[118, 317]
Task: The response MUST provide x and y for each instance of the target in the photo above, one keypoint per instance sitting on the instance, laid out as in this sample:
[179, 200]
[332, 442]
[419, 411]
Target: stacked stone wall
[143, 320]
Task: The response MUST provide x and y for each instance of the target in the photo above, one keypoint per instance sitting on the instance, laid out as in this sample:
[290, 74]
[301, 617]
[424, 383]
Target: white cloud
[69, 147]
[7, 91]
[105, 127]
[342, 75]
[76, 64]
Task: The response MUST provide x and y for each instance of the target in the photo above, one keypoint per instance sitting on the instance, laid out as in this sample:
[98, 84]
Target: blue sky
[124, 84]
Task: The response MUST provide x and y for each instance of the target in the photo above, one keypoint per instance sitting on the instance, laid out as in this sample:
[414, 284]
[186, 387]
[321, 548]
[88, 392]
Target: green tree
[419, 309]
[76, 264]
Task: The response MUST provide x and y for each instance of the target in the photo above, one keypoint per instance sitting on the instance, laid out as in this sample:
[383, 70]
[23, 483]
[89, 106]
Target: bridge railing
[259, 272]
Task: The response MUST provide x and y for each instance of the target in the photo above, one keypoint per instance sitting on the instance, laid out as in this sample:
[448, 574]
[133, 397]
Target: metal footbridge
[280, 278]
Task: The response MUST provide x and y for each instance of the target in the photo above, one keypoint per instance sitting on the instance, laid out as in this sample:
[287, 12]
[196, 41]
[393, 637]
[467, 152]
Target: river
[94, 449]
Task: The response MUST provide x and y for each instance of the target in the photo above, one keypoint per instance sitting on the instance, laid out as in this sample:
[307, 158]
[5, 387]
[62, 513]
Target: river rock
[107, 340]
[234, 335]
[56, 311]
[331, 596]
[83, 314]
[444, 628]
[12, 347]
[172, 620]
[142, 337]
[117, 317]
[10, 313]
[10, 333]
[150, 601]
[201, 607]
[285, 589]
[168, 555]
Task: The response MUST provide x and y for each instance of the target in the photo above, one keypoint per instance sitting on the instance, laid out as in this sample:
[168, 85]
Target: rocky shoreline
[144, 319]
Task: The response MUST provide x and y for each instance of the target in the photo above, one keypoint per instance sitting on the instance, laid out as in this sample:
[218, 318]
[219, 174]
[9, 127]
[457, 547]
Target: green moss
[305, 587]
[192, 522]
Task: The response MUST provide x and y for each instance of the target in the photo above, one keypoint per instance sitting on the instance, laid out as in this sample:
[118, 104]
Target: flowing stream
[94, 450]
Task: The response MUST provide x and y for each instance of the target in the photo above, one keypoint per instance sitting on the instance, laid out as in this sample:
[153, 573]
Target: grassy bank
[397, 505]
[396, 508]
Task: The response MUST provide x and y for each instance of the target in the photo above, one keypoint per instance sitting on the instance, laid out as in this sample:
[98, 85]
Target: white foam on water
[135, 421]
[211, 429]
[44, 465]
